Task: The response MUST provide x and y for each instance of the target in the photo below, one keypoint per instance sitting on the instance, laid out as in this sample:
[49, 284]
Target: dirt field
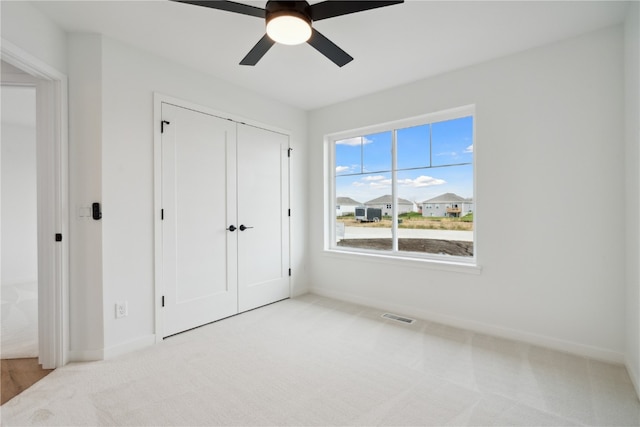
[414, 223]
[431, 246]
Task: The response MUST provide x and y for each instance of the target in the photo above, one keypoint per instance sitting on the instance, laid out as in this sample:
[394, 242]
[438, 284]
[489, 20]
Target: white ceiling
[391, 45]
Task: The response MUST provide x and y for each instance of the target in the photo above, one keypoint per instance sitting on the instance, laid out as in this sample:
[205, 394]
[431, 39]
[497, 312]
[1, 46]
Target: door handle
[232, 228]
[242, 227]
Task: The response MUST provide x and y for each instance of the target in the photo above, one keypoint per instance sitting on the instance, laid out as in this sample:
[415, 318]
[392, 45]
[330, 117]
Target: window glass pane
[443, 221]
[434, 184]
[452, 142]
[377, 152]
[367, 223]
[413, 147]
[349, 156]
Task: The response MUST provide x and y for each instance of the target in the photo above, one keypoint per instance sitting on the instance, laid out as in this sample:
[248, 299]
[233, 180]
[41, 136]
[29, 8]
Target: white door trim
[53, 211]
[158, 100]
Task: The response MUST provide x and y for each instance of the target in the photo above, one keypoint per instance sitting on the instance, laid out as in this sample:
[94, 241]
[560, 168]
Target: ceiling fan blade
[330, 9]
[258, 51]
[229, 6]
[329, 48]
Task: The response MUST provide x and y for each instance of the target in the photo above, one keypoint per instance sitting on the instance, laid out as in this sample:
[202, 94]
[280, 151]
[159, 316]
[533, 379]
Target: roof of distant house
[446, 198]
[388, 199]
[346, 201]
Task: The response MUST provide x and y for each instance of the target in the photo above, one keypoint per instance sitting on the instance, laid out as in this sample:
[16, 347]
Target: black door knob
[232, 228]
[242, 227]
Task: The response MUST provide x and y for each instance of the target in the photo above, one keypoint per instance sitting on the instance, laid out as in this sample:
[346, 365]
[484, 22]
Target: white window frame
[447, 262]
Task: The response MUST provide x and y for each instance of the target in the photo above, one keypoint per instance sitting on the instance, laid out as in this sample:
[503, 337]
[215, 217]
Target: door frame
[158, 100]
[53, 203]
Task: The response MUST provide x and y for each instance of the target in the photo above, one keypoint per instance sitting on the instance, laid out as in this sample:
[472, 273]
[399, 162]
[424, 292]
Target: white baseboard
[296, 292]
[85, 355]
[633, 374]
[129, 346]
[471, 325]
[111, 352]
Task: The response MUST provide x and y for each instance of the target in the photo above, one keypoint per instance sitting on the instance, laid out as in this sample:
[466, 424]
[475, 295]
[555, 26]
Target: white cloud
[373, 178]
[384, 183]
[469, 149]
[354, 141]
[421, 181]
[340, 169]
[373, 181]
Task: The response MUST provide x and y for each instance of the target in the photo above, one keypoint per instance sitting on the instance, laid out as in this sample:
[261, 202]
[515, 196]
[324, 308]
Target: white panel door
[263, 202]
[199, 203]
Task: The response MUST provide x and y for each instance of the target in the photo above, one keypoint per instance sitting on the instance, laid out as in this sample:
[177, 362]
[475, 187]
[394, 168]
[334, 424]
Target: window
[396, 171]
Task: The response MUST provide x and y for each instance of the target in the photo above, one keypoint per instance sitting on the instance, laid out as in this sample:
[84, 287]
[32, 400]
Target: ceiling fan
[289, 22]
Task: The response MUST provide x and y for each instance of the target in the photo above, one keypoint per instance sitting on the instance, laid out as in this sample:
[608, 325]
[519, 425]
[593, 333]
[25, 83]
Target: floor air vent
[397, 318]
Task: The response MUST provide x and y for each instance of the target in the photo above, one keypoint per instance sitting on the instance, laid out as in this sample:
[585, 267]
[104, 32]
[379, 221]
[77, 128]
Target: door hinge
[289, 150]
[289, 212]
[163, 300]
[289, 272]
[58, 237]
[162, 123]
[161, 214]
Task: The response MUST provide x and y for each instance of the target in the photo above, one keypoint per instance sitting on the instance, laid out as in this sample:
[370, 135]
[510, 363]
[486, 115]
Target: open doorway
[19, 346]
[19, 221]
[34, 219]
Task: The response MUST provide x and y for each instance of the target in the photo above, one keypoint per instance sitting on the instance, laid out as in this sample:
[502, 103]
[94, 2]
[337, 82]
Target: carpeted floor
[317, 361]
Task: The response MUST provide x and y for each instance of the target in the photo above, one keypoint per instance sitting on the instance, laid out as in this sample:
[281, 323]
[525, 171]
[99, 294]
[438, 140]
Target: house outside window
[416, 178]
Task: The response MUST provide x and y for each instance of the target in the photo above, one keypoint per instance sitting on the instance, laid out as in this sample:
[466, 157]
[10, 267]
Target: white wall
[129, 79]
[26, 27]
[85, 187]
[549, 125]
[19, 201]
[632, 167]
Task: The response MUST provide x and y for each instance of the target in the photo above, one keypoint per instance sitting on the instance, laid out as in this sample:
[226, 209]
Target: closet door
[199, 253]
[263, 204]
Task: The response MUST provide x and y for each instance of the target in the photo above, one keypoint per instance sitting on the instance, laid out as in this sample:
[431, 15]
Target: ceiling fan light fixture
[289, 22]
[288, 28]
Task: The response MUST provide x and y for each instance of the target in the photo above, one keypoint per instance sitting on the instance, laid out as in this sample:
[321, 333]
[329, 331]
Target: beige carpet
[316, 361]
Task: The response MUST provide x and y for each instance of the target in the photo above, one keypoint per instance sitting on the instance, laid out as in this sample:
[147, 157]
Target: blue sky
[425, 170]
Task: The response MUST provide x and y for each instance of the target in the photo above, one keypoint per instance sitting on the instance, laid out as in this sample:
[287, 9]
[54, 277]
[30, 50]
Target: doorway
[19, 227]
[42, 278]
[20, 343]
[223, 242]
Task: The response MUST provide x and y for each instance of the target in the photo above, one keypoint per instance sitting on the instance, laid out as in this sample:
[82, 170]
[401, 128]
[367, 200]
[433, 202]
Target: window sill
[400, 260]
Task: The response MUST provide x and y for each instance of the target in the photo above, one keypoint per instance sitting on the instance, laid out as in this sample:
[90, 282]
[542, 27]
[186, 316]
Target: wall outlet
[122, 309]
